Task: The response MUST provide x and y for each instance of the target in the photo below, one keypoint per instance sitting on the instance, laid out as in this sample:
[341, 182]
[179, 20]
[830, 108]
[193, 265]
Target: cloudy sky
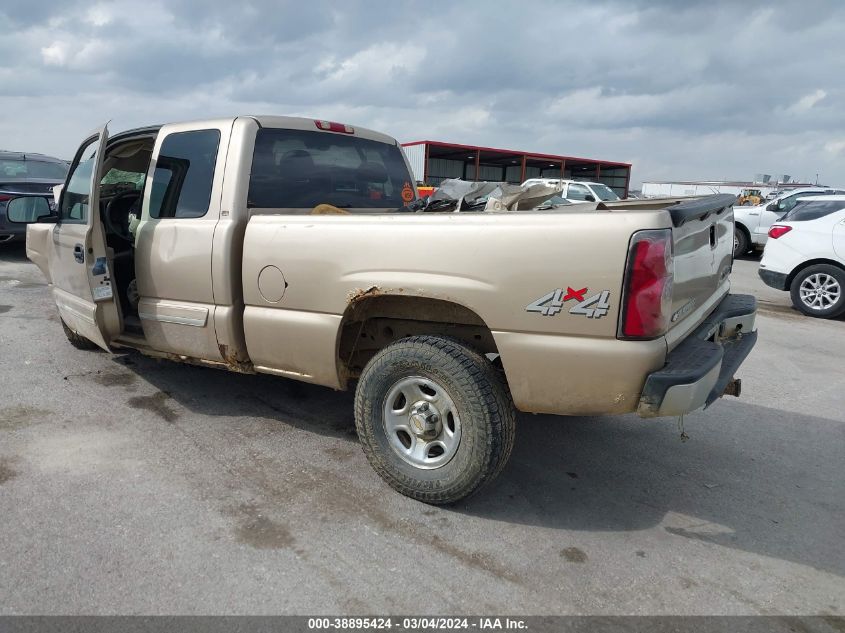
[683, 90]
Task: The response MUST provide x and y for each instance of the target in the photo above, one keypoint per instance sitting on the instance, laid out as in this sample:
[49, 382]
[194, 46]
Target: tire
[78, 341]
[819, 291]
[740, 242]
[453, 383]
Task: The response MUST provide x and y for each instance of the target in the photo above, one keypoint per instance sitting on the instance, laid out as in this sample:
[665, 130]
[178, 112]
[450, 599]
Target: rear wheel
[77, 340]
[435, 420]
[819, 291]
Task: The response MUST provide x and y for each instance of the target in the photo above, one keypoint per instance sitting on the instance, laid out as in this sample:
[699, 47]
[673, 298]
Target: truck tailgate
[702, 235]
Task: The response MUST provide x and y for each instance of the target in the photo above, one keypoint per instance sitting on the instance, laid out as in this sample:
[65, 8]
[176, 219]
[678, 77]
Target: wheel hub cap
[819, 291]
[425, 420]
[421, 422]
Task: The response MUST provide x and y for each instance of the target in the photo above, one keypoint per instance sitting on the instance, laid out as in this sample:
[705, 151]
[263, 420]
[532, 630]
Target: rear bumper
[698, 371]
[773, 279]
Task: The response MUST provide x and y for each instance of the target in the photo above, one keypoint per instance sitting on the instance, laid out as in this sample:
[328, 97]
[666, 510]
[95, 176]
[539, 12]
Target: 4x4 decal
[593, 307]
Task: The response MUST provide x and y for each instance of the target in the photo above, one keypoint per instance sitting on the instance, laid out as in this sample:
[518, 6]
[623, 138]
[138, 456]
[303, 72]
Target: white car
[751, 224]
[576, 190]
[806, 256]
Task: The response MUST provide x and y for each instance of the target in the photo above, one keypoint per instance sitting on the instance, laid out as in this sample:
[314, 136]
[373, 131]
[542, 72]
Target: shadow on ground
[14, 252]
[750, 478]
[214, 392]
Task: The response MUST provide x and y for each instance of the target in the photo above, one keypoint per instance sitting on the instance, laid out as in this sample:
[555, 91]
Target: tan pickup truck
[292, 247]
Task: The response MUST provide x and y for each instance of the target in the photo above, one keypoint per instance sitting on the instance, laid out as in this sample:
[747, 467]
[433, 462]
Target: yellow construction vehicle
[750, 197]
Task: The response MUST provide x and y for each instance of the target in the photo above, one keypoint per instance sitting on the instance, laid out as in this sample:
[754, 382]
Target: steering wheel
[120, 227]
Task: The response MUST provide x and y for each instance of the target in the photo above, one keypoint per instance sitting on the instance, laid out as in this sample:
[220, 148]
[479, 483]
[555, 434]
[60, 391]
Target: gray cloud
[682, 90]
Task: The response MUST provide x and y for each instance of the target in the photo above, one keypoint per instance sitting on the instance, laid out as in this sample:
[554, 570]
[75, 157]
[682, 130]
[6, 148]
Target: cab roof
[271, 121]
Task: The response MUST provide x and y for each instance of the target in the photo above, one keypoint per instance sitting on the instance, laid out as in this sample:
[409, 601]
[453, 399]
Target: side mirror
[27, 210]
[773, 207]
[590, 198]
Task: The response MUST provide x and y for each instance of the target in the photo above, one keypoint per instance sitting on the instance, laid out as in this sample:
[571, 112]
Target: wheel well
[807, 264]
[744, 229]
[373, 322]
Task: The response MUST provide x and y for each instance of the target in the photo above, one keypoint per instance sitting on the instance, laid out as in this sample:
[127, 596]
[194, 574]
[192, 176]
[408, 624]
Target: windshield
[298, 169]
[32, 169]
[134, 180]
[604, 192]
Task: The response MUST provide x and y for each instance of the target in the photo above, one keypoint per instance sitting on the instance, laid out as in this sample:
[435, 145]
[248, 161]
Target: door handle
[79, 253]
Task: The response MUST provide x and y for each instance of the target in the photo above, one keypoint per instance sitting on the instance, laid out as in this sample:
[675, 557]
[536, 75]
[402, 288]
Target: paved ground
[134, 486]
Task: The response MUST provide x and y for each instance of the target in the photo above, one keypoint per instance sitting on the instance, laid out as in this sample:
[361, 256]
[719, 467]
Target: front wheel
[77, 340]
[819, 291]
[435, 420]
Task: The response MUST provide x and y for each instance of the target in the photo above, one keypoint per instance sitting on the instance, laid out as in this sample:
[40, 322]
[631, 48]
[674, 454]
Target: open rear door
[80, 267]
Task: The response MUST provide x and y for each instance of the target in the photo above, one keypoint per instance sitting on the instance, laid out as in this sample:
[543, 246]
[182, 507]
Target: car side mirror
[590, 198]
[773, 207]
[27, 210]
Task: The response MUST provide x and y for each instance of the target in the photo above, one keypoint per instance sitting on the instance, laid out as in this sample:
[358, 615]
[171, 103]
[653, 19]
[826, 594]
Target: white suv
[806, 256]
[576, 190]
[751, 224]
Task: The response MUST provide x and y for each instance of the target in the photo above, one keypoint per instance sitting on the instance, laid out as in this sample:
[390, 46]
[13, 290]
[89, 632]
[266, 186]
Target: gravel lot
[129, 485]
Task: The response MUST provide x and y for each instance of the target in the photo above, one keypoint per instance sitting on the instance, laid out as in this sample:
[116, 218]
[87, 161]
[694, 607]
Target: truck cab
[155, 238]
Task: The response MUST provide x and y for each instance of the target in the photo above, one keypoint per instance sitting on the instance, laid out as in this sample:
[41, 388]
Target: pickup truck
[296, 248]
[578, 191]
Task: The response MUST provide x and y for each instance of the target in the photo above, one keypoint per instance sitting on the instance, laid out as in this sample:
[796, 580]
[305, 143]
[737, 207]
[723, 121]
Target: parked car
[751, 224]
[806, 256]
[578, 191]
[288, 246]
[24, 174]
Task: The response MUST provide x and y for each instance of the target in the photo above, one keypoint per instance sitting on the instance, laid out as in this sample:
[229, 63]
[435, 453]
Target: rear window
[32, 169]
[298, 169]
[813, 210]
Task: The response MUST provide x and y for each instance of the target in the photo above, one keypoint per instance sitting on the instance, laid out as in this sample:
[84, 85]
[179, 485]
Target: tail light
[647, 294]
[4, 197]
[777, 230]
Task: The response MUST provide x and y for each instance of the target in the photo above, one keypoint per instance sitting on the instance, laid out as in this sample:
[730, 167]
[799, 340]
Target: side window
[788, 203]
[577, 192]
[75, 197]
[183, 175]
[813, 210]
